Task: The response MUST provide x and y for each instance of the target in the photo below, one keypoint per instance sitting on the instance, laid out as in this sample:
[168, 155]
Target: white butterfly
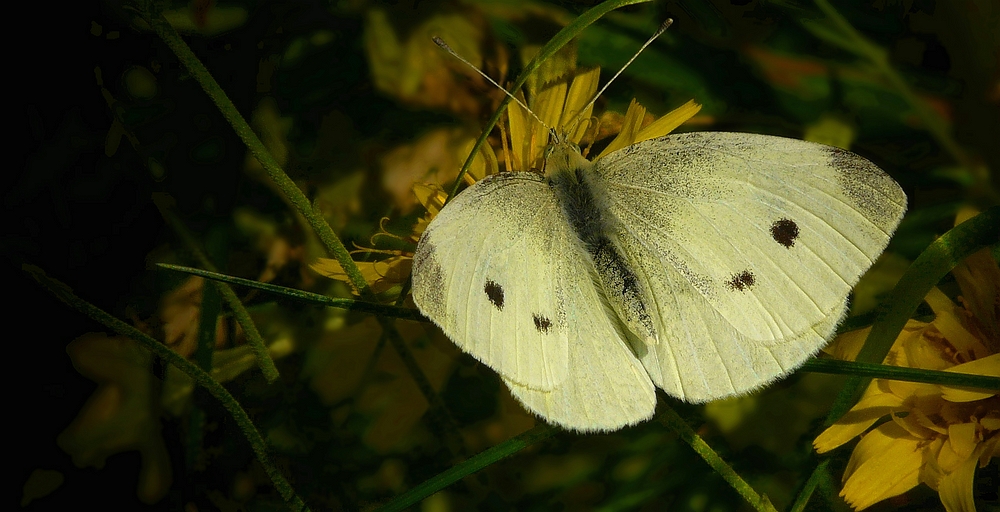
[706, 264]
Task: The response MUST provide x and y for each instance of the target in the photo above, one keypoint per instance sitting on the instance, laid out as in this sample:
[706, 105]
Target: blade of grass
[257, 443]
[809, 488]
[674, 422]
[303, 296]
[468, 467]
[881, 371]
[254, 339]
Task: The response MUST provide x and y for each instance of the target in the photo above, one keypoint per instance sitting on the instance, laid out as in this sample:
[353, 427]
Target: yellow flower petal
[380, 275]
[918, 424]
[523, 130]
[484, 164]
[931, 473]
[948, 459]
[989, 366]
[991, 421]
[847, 346]
[947, 321]
[863, 415]
[550, 103]
[921, 351]
[575, 119]
[921, 414]
[962, 439]
[630, 128]
[885, 463]
[430, 196]
[955, 488]
[669, 121]
[560, 96]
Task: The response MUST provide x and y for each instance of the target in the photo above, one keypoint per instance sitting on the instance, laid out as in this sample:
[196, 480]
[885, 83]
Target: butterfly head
[563, 155]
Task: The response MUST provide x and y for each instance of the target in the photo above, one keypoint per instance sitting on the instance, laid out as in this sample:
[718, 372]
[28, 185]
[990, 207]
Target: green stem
[304, 296]
[819, 473]
[254, 339]
[881, 371]
[468, 467]
[201, 377]
[674, 422]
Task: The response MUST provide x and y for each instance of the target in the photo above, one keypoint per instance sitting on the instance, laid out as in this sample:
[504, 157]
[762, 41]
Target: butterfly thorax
[577, 187]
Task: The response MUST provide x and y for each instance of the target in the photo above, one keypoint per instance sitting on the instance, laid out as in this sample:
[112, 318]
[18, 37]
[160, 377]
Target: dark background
[87, 218]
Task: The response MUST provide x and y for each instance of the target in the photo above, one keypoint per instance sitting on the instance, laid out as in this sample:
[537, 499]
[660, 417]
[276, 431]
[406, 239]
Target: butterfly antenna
[444, 46]
[663, 28]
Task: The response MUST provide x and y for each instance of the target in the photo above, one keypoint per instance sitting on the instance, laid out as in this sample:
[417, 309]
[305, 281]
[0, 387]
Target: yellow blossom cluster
[931, 434]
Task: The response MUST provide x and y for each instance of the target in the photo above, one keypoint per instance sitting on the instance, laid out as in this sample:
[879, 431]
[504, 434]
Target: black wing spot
[785, 232]
[495, 293]
[542, 324]
[742, 281]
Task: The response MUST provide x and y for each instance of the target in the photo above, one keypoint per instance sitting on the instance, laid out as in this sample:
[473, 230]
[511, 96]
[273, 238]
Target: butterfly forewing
[490, 271]
[749, 245]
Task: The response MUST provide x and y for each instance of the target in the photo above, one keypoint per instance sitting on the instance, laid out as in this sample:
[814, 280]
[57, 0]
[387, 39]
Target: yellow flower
[560, 95]
[935, 435]
[563, 102]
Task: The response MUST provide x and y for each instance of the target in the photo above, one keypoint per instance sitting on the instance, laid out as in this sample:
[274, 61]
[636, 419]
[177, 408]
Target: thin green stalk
[254, 339]
[674, 422]
[304, 296]
[211, 305]
[882, 371]
[201, 377]
[468, 467]
[810, 487]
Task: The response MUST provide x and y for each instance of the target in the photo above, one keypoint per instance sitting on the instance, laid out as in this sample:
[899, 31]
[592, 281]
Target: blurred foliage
[357, 104]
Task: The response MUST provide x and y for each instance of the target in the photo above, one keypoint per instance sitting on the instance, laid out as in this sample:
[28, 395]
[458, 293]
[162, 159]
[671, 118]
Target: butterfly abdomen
[622, 289]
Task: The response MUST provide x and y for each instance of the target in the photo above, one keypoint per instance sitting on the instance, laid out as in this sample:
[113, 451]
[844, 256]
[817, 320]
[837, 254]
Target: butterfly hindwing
[606, 388]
